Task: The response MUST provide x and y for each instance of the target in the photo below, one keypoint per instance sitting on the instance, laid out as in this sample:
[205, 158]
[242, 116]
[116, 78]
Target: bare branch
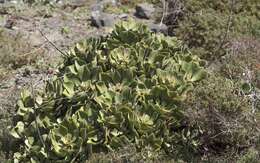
[64, 54]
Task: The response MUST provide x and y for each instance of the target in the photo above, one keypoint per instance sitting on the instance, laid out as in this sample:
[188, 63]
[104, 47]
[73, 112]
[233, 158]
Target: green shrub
[113, 91]
[208, 26]
[251, 156]
[249, 7]
[247, 26]
[203, 33]
[223, 116]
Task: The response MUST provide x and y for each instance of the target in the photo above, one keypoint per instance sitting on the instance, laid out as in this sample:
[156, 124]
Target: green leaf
[14, 133]
[246, 87]
[101, 87]
[93, 140]
[69, 89]
[17, 130]
[145, 119]
[200, 74]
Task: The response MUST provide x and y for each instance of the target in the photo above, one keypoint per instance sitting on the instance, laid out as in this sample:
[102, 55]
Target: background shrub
[223, 115]
[207, 26]
[242, 63]
[203, 32]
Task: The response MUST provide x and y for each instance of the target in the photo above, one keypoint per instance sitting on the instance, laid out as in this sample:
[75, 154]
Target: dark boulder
[144, 10]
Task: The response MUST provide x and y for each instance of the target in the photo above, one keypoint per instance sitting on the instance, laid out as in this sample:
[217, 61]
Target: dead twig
[63, 53]
[164, 11]
[229, 22]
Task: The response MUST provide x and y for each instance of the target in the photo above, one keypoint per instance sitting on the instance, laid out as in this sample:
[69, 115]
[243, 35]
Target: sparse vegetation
[14, 52]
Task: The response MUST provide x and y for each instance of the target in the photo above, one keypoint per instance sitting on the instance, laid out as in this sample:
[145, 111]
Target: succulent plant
[110, 91]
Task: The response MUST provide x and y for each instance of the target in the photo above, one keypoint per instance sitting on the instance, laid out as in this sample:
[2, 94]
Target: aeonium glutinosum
[110, 91]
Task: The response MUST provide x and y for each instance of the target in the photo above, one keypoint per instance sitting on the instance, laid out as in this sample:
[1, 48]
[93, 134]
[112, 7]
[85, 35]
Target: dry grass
[15, 52]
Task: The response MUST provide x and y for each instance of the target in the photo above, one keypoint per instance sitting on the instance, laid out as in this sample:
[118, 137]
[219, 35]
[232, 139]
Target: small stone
[144, 10]
[123, 16]
[9, 23]
[100, 19]
[162, 28]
